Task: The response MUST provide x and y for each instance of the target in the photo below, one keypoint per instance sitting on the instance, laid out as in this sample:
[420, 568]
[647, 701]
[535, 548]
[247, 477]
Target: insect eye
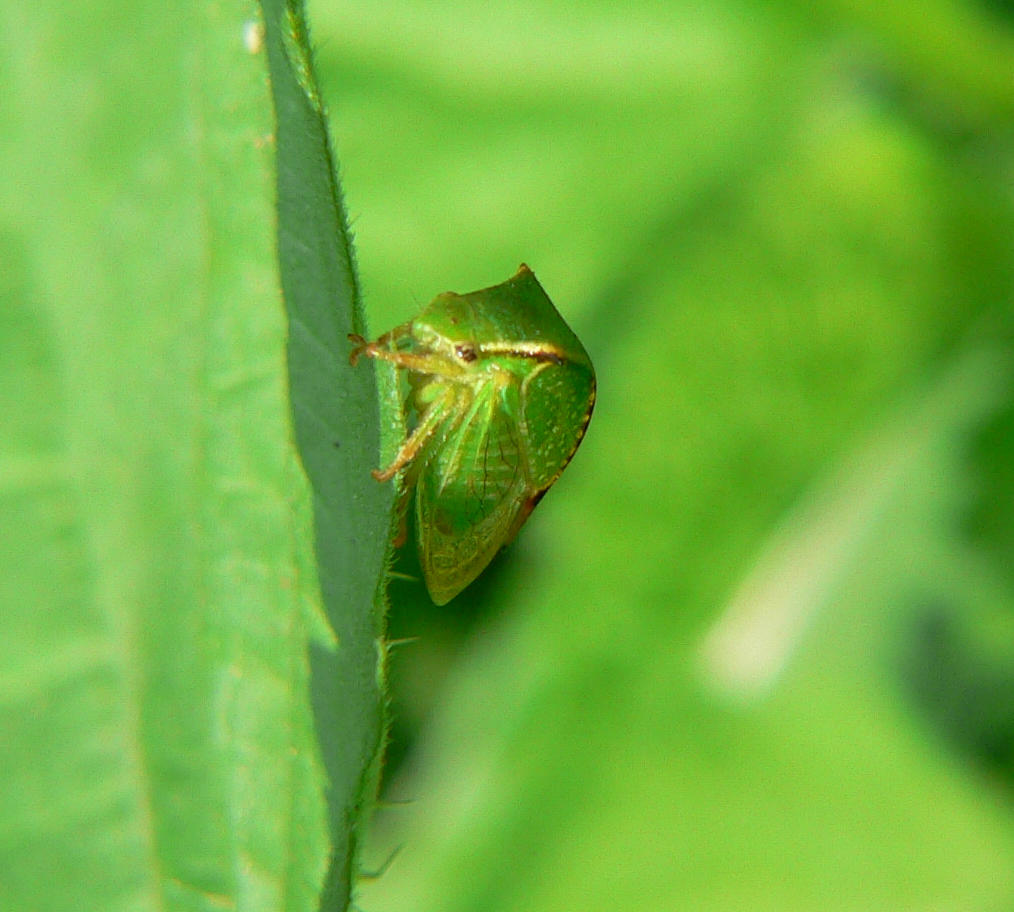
[465, 352]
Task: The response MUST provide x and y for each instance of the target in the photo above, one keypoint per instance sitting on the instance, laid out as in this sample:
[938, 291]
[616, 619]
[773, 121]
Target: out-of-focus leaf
[776, 233]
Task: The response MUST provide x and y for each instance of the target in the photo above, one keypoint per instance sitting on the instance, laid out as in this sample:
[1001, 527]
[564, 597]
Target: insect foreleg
[421, 363]
[383, 343]
[429, 422]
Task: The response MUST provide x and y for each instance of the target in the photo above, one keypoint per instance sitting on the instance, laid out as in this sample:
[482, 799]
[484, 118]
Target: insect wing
[557, 402]
[469, 493]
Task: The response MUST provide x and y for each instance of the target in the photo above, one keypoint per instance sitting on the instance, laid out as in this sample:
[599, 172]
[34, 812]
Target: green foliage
[158, 582]
[753, 650]
[336, 422]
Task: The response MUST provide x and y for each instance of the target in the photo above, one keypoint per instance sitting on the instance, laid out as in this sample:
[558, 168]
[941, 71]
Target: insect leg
[420, 363]
[417, 439]
[384, 342]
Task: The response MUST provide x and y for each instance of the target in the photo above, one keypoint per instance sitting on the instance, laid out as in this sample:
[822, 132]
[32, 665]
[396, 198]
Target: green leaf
[336, 416]
[157, 582]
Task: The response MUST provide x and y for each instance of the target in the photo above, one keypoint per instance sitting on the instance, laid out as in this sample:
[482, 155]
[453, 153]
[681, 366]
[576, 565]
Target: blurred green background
[756, 649]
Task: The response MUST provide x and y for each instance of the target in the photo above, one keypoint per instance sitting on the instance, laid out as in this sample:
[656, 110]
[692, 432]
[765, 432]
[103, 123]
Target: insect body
[503, 391]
